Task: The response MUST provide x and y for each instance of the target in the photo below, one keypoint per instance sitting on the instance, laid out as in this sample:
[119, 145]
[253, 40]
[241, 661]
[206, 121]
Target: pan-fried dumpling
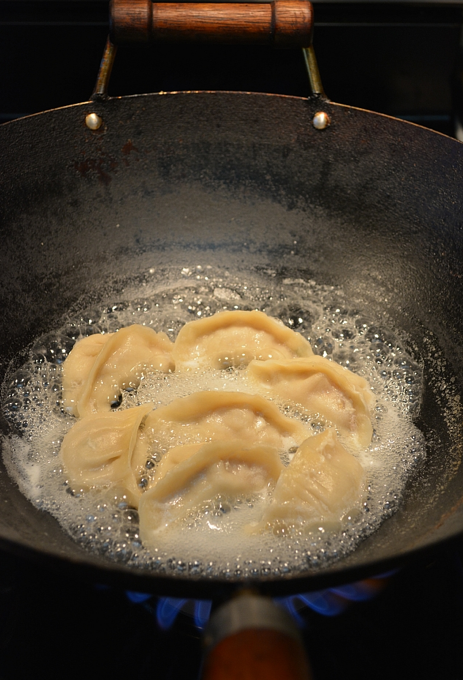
[121, 361]
[226, 468]
[324, 387]
[77, 367]
[97, 451]
[208, 416]
[234, 339]
[322, 485]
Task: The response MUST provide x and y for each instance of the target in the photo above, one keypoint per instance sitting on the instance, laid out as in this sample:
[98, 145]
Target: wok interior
[233, 181]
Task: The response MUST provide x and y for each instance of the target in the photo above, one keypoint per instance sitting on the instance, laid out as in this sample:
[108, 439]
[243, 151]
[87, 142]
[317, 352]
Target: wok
[233, 180]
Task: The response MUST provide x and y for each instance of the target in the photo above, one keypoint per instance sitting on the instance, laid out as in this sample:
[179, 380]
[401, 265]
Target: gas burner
[328, 602]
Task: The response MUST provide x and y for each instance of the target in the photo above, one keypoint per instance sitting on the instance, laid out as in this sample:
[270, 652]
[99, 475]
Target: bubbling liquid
[210, 542]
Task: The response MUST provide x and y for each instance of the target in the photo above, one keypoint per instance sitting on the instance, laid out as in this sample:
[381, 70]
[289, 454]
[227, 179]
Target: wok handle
[251, 638]
[281, 23]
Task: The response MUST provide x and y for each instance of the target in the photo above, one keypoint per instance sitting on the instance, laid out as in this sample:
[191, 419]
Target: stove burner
[328, 602]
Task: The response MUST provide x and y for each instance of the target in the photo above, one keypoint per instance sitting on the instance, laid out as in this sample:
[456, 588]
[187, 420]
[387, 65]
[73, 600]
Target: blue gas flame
[329, 602]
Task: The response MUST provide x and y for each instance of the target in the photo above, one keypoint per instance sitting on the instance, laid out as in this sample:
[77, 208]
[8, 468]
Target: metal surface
[93, 122]
[104, 73]
[248, 611]
[316, 86]
[321, 120]
[375, 205]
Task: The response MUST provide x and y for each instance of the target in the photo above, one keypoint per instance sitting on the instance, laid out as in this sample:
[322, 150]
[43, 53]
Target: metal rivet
[321, 120]
[93, 122]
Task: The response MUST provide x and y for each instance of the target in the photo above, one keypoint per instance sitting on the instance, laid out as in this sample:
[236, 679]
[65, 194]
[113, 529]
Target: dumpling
[234, 339]
[324, 387]
[206, 416]
[77, 367]
[322, 484]
[226, 468]
[97, 451]
[122, 359]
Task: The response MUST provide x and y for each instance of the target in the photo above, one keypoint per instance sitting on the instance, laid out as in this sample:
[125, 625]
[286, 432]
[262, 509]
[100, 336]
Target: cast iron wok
[233, 180]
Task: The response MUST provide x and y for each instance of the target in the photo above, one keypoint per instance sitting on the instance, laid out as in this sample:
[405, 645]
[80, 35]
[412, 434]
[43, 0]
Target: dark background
[55, 627]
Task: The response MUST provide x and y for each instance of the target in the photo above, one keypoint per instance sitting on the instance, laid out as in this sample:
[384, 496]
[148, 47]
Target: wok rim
[313, 99]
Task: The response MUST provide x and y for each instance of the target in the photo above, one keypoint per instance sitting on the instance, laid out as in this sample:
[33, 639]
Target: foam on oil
[210, 542]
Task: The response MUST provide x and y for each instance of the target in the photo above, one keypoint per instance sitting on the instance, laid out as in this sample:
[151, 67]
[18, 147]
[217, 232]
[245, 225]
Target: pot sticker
[93, 380]
[321, 387]
[232, 339]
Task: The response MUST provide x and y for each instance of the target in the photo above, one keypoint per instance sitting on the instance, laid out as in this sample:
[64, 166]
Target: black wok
[233, 180]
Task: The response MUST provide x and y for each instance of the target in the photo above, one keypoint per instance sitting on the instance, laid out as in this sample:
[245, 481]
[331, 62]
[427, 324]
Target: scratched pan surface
[375, 205]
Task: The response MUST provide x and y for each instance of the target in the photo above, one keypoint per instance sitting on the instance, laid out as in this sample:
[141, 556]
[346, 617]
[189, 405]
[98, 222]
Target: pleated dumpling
[319, 488]
[322, 387]
[97, 451]
[210, 415]
[223, 468]
[78, 365]
[175, 456]
[120, 363]
[235, 338]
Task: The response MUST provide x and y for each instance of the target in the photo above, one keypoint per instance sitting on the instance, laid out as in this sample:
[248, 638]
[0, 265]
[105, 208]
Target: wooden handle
[281, 23]
[257, 655]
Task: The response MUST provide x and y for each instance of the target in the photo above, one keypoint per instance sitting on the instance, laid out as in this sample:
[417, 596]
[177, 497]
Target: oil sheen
[211, 542]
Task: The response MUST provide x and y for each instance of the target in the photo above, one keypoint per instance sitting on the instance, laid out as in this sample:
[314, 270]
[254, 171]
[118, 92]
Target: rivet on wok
[93, 122]
[321, 120]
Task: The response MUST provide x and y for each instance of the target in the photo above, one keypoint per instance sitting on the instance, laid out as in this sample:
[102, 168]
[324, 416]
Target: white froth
[211, 542]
